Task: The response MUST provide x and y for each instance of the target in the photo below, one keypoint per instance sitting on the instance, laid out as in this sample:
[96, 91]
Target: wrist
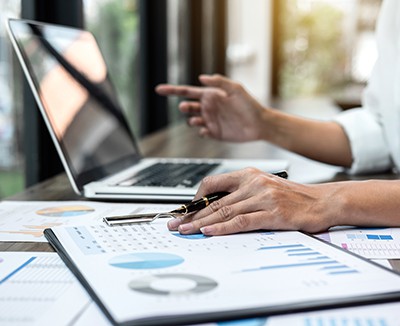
[340, 204]
[337, 205]
[276, 127]
[331, 209]
[267, 125]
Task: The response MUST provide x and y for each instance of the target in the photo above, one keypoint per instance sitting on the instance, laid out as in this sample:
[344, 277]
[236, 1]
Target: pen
[199, 204]
[185, 209]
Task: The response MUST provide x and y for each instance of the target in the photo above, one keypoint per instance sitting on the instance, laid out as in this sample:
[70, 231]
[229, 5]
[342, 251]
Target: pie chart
[148, 260]
[246, 322]
[196, 236]
[65, 211]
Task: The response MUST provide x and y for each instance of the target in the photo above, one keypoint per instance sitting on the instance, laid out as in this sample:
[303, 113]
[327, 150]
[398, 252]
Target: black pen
[199, 204]
[185, 209]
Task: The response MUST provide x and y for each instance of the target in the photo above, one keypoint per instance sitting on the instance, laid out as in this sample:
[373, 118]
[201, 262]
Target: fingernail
[185, 227]
[206, 230]
[174, 223]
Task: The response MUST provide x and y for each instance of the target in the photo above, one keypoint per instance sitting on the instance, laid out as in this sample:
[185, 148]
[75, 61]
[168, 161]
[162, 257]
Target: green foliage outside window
[313, 53]
[11, 182]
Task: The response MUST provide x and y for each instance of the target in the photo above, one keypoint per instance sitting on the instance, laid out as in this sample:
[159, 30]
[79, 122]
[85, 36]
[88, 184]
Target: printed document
[25, 220]
[372, 243]
[38, 289]
[147, 274]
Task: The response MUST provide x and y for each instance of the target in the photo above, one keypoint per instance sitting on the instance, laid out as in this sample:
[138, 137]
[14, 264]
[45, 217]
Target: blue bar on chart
[321, 321]
[300, 256]
[353, 236]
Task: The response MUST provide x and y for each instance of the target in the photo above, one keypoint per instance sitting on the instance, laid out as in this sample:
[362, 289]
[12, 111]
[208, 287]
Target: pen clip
[128, 219]
[137, 218]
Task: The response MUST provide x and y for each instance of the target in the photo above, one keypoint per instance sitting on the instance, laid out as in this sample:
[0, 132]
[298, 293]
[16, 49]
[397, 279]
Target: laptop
[70, 82]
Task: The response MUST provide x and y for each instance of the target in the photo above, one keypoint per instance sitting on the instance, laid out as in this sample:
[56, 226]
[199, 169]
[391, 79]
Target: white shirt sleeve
[368, 145]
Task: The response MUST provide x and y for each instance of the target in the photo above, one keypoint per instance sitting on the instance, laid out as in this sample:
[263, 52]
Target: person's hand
[222, 109]
[259, 200]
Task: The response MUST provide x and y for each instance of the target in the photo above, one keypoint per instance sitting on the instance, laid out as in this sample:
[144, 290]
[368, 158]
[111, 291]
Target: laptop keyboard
[170, 175]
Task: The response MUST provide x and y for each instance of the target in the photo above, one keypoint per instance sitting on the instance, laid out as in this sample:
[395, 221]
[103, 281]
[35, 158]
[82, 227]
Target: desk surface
[181, 141]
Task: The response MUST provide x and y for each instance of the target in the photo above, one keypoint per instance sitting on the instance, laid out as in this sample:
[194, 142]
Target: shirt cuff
[368, 145]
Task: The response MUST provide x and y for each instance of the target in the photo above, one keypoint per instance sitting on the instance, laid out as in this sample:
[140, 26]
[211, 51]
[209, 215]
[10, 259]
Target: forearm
[319, 140]
[372, 203]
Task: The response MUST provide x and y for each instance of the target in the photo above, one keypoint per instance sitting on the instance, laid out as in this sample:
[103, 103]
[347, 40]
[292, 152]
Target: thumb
[218, 81]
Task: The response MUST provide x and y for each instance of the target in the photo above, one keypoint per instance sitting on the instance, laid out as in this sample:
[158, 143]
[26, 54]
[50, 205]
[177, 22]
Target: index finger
[193, 92]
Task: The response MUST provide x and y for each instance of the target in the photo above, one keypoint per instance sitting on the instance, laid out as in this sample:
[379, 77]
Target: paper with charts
[145, 272]
[370, 315]
[374, 315]
[26, 220]
[38, 289]
[372, 243]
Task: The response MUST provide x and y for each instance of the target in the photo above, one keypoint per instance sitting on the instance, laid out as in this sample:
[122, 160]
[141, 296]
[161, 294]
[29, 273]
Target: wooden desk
[181, 141]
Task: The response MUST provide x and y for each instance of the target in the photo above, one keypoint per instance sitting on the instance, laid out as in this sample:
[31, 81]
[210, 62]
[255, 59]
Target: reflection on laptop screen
[71, 80]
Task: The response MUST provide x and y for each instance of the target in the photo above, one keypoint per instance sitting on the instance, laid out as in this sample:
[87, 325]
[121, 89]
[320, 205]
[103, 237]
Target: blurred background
[282, 51]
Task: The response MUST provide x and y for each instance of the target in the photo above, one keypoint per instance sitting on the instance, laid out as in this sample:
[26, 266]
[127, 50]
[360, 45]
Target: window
[249, 32]
[326, 47]
[11, 153]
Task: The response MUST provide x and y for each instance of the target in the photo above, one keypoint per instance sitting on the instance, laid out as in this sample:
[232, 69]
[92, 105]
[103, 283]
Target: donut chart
[173, 284]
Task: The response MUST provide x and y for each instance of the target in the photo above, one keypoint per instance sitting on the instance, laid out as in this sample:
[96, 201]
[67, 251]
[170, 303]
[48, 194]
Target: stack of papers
[148, 275]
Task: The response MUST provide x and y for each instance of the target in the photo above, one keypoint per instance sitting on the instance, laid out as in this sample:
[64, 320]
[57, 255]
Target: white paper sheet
[373, 243]
[371, 315]
[142, 271]
[38, 289]
[374, 315]
[25, 220]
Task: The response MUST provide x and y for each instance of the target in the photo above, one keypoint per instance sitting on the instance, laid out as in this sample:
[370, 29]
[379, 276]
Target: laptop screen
[77, 99]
